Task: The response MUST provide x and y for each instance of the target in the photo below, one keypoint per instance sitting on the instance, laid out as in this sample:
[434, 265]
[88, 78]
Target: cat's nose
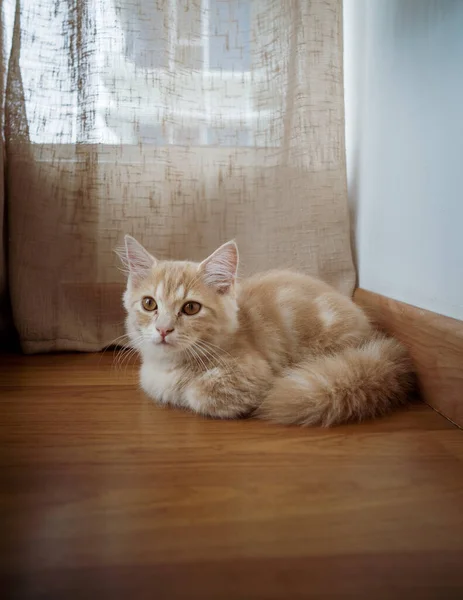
[164, 332]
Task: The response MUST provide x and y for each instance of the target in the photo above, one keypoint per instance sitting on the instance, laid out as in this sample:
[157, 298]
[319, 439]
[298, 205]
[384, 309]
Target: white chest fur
[160, 382]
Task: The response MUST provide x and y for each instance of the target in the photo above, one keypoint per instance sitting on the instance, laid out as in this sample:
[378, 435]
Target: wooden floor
[105, 495]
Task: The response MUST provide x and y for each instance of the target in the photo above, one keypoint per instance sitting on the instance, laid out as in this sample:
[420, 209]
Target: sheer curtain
[183, 122]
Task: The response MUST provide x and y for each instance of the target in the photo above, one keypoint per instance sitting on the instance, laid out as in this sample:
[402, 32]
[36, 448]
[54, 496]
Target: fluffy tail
[352, 385]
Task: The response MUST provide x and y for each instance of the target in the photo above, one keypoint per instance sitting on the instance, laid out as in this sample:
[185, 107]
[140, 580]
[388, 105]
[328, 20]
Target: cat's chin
[160, 350]
[166, 346]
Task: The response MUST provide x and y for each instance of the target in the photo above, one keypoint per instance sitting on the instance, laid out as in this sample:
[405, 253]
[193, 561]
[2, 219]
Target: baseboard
[435, 343]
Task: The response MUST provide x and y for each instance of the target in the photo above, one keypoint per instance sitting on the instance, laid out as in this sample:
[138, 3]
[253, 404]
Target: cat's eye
[191, 308]
[149, 303]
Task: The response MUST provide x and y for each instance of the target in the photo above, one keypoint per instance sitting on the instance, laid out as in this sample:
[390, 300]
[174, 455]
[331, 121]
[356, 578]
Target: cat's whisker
[129, 361]
[197, 350]
[125, 363]
[211, 356]
[227, 366]
[125, 354]
[199, 358]
[206, 355]
[115, 341]
[113, 345]
[216, 348]
[121, 357]
[194, 359]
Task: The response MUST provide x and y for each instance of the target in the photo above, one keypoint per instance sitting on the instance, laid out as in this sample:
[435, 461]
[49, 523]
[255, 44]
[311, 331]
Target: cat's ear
[135, 258]
[220, 268]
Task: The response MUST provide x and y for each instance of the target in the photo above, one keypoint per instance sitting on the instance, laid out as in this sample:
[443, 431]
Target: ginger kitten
[280, 345]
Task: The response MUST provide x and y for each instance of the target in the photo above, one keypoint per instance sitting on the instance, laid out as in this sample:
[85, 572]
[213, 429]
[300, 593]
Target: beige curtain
[182, 122]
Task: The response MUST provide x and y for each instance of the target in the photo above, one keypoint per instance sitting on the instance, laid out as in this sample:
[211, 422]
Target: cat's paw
[203, 399]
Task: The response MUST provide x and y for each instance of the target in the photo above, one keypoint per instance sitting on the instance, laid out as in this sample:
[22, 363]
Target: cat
[280, 346]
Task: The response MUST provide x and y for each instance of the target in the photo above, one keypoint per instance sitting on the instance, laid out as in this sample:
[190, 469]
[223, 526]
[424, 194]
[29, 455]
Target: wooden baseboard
[435, 343]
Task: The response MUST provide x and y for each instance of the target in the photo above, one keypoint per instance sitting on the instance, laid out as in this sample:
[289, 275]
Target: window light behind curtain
[183, 122]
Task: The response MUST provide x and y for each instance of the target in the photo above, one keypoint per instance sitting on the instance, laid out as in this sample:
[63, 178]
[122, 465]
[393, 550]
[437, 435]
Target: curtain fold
[5, 317]
[182, 122]
[8, 339]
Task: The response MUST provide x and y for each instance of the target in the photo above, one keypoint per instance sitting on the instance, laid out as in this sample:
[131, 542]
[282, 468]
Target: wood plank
[105, 494]
[435, 343]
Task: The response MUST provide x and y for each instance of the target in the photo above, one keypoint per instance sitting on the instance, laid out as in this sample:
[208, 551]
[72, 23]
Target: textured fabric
[182, 122]
[7, 337]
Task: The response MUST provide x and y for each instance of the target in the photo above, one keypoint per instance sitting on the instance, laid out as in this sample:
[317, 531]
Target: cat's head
[174, 305]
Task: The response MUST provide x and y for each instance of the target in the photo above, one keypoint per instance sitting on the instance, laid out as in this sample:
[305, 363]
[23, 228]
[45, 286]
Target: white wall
[404, 130]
